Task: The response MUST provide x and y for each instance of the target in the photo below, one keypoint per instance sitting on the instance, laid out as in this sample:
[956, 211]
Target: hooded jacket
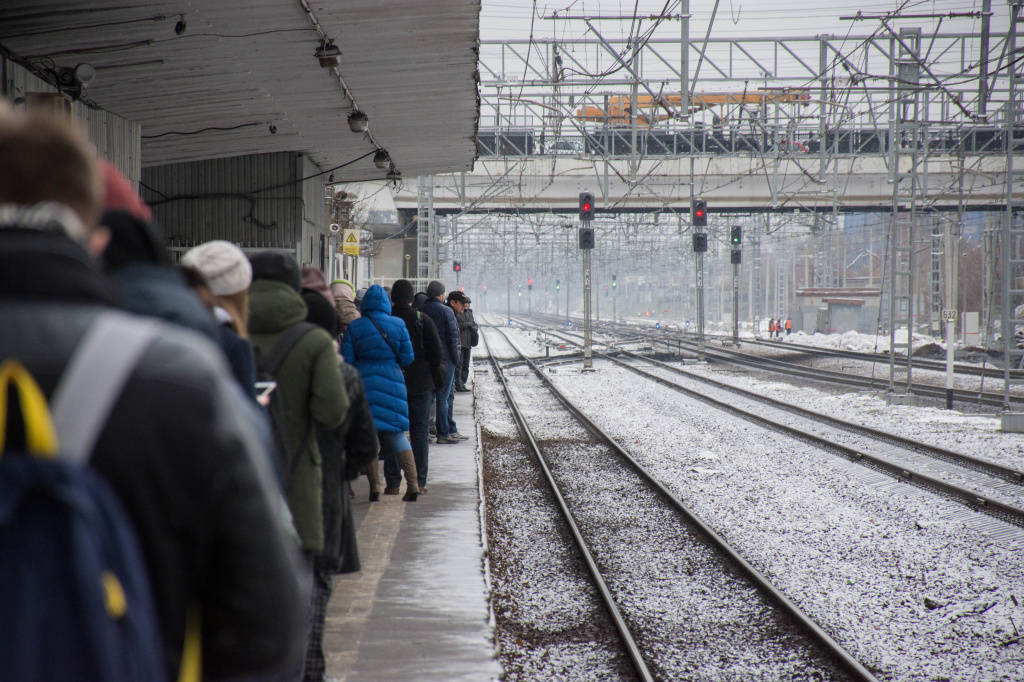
[315, 280]
[345, 302]
[180, 456]
[311, 385]
[380, 360]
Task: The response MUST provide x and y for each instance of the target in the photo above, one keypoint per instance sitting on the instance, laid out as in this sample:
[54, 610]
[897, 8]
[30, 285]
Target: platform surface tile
[418, 609]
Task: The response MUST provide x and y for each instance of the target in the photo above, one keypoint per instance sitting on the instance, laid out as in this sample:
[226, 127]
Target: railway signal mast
[586, 245]
[735, 257]
[699, 219]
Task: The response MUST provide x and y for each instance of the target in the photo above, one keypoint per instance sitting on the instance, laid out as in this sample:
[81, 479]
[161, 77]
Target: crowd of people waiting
[248, 393]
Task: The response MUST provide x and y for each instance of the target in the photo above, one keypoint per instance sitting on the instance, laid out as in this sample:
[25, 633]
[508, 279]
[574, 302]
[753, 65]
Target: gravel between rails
[979, 483]
[975, 435]
[551, 624]
[694, 616]
[905, 590]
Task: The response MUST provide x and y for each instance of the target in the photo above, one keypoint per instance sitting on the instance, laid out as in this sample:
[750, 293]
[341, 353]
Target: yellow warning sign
[350, 243]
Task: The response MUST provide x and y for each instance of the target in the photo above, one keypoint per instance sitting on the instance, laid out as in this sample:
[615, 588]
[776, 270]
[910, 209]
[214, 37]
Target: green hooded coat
[313, 390]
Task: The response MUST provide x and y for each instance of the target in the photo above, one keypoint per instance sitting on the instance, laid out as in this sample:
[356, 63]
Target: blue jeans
[445, 401]
[391, 443]
[419, 432]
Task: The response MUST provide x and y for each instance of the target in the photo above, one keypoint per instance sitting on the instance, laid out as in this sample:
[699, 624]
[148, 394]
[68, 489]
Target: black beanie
[320, 312]
[401, 292]
[277, 266]
[435, 289]
[132, 241]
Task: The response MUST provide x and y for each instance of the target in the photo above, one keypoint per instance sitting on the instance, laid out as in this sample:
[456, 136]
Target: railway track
[618, 512]
[673, 343]
[981, 485]
[883, 359]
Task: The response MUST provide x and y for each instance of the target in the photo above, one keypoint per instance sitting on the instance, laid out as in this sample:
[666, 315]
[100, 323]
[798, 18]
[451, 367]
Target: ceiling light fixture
[85, 73]
[72, 81]
[358, 122]
[328, 53]
[381, 159]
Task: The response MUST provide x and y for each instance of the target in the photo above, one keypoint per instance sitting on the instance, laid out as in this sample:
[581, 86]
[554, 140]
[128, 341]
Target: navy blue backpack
[75, 596]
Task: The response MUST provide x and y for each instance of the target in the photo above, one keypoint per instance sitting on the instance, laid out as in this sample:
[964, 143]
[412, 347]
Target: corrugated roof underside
[409, 64]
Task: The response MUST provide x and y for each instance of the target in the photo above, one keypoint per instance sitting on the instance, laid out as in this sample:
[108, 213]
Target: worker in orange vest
[789, 326]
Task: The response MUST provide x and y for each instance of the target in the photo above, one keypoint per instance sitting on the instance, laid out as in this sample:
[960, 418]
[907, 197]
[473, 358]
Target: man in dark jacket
[175, 449]
[448, 330]
[468, 336]
[420, 382]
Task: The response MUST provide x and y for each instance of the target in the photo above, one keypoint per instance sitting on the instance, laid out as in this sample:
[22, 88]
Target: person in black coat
[345, 451]
[422, 378]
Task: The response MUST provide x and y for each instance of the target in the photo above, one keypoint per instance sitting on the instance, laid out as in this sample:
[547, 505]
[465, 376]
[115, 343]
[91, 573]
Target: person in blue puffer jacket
[379, 346]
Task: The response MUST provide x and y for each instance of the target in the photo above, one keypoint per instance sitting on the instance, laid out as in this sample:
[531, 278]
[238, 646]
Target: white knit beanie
[225, 266]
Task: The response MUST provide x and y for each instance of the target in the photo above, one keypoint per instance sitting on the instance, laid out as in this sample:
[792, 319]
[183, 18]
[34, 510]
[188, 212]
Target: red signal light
[700, 214]
[529, 281]
[586, 207]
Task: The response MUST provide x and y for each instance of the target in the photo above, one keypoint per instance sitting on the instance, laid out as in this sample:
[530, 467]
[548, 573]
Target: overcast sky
[511, 19]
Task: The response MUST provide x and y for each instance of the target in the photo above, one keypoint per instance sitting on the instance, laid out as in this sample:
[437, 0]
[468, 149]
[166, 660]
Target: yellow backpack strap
[192, 655]
[40, 436]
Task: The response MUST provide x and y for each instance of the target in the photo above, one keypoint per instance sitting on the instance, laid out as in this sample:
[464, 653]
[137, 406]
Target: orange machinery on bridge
[651, 109]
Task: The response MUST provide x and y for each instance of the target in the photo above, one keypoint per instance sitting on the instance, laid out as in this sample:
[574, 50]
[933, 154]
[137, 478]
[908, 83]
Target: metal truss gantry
[799, 114]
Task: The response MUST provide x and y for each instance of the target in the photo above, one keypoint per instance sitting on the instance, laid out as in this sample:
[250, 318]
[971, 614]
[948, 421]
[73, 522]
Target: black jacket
[468, 329]
[181, 458]
[423, 375]
[447, 328]
[345, 452]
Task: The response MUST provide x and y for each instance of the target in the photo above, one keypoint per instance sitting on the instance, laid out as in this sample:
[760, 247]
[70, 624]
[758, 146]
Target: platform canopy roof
[239, 69]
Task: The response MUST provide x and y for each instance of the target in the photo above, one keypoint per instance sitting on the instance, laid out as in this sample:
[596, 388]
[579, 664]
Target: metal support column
[1011, 271]
[700, 306]
[755, 281]
[905, 140]
[588, 361]
[988, 292]
[935, 290]
[781, 277]
[426, 237]
[736, 304]
[714, 298]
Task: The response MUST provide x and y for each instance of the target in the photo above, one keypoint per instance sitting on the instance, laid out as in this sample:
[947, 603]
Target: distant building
[836, 310]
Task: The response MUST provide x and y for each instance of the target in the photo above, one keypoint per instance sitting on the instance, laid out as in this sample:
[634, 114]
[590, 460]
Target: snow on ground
[977, 435]
[855, 341]
[885, 570]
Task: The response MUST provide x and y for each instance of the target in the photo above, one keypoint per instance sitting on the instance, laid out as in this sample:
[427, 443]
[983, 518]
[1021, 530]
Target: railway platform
[419, 607]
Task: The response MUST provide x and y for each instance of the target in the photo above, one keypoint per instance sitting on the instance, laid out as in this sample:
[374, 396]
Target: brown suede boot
[373, 476]
[408, 464]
